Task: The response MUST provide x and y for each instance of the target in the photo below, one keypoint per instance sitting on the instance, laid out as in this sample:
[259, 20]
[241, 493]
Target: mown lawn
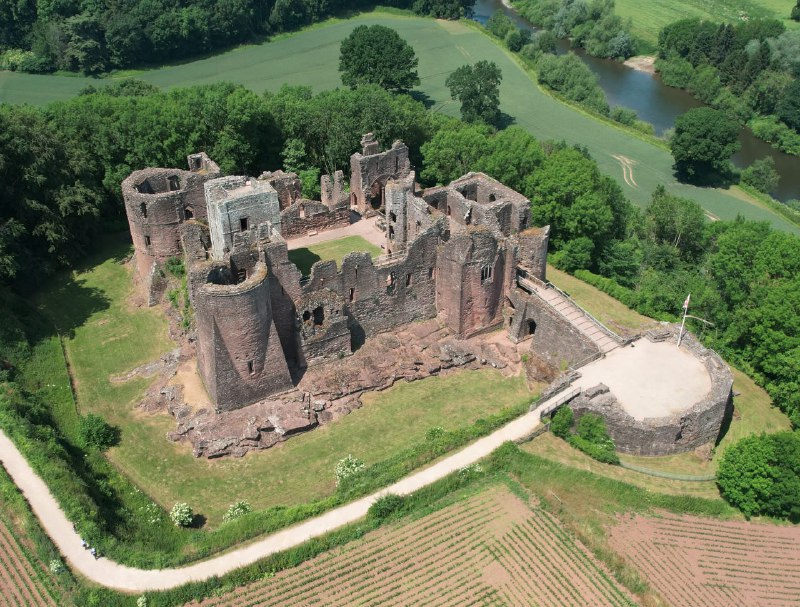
[331, 250]
[649, 16]
[104, 335]
[311, 58]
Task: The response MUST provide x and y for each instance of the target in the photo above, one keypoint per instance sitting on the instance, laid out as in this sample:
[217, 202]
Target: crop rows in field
[699, 562]
[489, 550]
[20, 583]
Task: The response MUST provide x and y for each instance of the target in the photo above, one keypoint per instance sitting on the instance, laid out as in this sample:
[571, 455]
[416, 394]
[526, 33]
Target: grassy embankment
[753, 411]
[311, 57]
[104, 336]
[331, 250]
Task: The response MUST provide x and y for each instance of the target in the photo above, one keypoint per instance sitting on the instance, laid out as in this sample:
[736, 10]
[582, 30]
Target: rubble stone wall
[304, 216]
[683, 431]
[553, 338]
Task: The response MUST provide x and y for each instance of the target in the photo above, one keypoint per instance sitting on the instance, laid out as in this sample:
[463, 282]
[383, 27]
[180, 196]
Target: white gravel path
[113, 575]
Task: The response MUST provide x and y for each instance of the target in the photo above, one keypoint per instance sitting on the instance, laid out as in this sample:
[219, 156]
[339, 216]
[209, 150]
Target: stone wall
[533, 243]
[333, 193]
[474, 272]
[235, 205]
[683, 431]
[240, 356]
[371, 169]
[309, 215]
[287, 185]
[553, 338]
[324, 328]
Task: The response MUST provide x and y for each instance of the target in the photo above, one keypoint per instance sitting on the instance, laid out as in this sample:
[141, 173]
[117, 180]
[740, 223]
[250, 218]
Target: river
[660, 104]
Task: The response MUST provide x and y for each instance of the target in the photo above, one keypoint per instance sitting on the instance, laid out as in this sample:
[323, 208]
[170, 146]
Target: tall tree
[377, 54]
[477, 87]
[703, 143]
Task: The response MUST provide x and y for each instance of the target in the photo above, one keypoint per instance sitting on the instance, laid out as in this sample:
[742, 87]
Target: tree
[789, 108]
[675, 222]
[376, 54]
[97, 433]
[762, 175]
[796, 12]
[703, 143]
[760, 475]
[477, 87]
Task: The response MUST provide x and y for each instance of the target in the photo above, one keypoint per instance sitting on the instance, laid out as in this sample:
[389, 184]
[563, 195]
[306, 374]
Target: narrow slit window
[147, 240]
[352, 294]
[251, 368]
[244, 224]
[486, 274]
[143, 208]
[408, 279]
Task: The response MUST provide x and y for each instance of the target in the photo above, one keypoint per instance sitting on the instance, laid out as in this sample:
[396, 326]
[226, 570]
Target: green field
[311, 57]
[649, 16]
[105, 335]
[331, 250]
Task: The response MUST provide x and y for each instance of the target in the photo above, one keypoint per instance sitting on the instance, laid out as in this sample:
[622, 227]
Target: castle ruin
[463, 253]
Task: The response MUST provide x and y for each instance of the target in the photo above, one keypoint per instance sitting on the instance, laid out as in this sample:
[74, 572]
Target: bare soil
[700, 562]
[489, 549]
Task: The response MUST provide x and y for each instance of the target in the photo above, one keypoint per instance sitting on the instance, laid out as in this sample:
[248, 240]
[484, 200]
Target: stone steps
[576, 316]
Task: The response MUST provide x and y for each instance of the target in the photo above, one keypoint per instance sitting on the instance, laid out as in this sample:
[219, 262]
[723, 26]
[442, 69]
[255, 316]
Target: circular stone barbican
[661, 399]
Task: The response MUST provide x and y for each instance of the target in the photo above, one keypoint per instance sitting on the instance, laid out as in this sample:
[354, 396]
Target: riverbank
[642, 63]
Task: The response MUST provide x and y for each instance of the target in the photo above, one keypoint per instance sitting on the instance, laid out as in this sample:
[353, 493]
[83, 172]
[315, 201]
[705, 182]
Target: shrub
[236, 510]
[561, 424]
[141, 601]
[181, 514]
[434, 433]
[762, 175]
[97, 433]
[175, 267]
[56, 567]
[347, 467]
[385, 506]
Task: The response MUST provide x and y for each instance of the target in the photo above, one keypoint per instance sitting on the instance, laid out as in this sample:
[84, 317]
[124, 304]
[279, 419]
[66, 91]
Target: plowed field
[489, 550]
[20, 584]
[697, 562]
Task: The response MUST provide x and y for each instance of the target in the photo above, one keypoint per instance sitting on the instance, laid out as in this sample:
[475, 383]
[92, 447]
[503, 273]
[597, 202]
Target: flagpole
[683, 320]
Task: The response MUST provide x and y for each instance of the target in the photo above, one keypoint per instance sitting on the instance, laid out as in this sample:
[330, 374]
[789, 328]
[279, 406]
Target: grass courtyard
[103, 336]
[311, 57]
[334, 250]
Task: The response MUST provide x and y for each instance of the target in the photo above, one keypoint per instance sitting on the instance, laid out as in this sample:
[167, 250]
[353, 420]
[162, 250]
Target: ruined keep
[457, 252]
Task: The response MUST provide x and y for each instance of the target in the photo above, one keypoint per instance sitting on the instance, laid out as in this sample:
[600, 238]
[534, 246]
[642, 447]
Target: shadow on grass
[304, 259]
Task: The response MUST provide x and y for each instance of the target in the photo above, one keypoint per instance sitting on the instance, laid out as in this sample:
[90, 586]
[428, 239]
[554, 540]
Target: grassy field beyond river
[311, 57]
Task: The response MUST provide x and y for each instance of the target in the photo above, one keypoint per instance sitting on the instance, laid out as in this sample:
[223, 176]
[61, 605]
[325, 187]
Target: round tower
[239, 352]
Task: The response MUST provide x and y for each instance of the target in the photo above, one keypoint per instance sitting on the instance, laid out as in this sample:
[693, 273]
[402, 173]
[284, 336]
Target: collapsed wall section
[371, 169]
